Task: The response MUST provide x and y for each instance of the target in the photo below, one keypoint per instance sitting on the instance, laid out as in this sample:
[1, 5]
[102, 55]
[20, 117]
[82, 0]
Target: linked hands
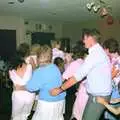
[55, 91]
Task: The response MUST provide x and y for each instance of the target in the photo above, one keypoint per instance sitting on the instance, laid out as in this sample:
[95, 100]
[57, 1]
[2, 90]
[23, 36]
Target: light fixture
[11, 2]
[103, 12]
[99, 7]
[21, 1]
[90, 5]
[96, 8]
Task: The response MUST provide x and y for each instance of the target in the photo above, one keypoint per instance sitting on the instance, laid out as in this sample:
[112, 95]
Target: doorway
[7, 43]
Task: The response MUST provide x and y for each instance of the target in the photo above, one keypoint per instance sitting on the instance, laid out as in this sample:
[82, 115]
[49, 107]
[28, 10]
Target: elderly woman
[46, 77]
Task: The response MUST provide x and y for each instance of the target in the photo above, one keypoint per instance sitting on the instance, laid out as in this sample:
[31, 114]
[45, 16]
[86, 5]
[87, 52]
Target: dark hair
[24, 50]
[112, 45]
[91, 32]
[16, 61]
[59, 62]
[79, 50]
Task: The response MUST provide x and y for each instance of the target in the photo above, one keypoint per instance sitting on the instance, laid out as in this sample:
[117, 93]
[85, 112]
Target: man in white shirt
[97, 69]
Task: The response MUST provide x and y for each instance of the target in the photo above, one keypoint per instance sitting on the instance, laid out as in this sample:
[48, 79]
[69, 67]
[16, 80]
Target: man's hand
[55, 91]
[101, 100]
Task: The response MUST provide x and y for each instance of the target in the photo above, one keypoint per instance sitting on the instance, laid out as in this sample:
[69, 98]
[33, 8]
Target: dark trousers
[93, 110]
[70, 99]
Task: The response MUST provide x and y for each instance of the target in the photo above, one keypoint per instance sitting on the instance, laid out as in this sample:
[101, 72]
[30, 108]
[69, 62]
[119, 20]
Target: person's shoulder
[76, 62]
[53, 66]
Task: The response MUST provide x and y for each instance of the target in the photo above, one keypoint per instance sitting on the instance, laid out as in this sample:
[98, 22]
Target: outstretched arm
[114, 110]
[70, 82]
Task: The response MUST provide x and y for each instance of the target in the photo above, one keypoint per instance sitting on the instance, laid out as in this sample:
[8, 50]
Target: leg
[93, 110]
[17, 106]
[21, 107]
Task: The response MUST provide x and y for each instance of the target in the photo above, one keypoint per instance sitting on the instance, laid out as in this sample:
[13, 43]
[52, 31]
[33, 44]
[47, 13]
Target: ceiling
[55, 10]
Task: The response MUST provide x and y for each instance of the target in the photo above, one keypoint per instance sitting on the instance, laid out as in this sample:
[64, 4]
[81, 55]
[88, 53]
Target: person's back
[47, 77]
[100, 70]
[44, 78]
[20, 73]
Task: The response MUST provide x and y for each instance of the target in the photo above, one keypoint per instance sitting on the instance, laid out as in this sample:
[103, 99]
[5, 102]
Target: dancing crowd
[47, 80]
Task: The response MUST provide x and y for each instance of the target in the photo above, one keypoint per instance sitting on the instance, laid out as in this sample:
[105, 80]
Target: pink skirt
[80, 102]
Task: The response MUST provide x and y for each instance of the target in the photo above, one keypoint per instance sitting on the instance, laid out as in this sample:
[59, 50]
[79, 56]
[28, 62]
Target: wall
[110, 30]
[73, 30]
[67, 30]
[39, 26]
[18, 24]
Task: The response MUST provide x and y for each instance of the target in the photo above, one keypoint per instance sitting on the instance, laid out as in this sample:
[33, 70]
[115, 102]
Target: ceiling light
[21, 1]
[90, 5]
[11, 2]
[101, 6]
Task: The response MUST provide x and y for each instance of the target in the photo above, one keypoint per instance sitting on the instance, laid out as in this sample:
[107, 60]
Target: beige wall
[110, 30]
[17, 23]
[73, 30]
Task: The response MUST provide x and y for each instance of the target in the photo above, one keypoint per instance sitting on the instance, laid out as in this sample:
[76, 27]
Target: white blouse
[21, 80]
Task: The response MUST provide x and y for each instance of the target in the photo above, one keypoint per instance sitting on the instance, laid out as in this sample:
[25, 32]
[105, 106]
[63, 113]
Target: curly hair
[45, 54]
[111, 44]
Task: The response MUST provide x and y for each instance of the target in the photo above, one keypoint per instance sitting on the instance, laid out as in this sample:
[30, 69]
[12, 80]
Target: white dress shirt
[97, 69]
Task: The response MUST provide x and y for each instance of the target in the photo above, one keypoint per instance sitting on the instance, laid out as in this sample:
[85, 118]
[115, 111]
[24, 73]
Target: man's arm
[114, 110]
[84, 69]
[70, 82]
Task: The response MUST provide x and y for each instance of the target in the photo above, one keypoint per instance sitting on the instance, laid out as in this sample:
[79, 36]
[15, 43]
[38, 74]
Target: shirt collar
[93, 47]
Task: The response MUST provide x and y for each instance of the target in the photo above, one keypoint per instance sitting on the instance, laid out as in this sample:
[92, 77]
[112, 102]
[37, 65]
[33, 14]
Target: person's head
[24, 50]
[79, 51]
[111, 46]
[68, 58]
[44, 55]
[34, 49]
[60, 63]
[90, 37]
[16, 61]
[56, 44]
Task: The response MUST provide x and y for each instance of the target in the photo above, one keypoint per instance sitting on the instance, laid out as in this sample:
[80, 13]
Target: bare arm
[31, 61]
[70, 82]
[114, 110]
